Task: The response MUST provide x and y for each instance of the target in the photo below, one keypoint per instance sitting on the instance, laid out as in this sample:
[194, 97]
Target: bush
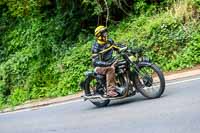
[18, 96]
[39, 63]
[40, 60]
[30, 48]
[167, 37]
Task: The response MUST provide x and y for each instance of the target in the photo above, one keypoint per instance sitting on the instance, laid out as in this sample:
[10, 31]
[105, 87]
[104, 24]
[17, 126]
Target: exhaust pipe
[102, 98]
[94, 97]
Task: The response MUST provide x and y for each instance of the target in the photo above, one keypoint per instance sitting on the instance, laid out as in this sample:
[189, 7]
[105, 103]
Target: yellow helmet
[101, 34]
[99, 30]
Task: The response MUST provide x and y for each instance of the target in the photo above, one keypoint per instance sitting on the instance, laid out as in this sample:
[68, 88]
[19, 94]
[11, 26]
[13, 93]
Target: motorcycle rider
[102, 58]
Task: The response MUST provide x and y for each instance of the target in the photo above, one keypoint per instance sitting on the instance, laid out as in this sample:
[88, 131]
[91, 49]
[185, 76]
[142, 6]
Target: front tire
[147, 87]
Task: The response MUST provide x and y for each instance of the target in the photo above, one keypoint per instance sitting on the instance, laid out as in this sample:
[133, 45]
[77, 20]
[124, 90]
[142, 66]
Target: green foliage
[190, 55]
[40, 63]
[2, 93]
[45, 47]
[21, 8]
[74, 67]
[93, 3]
[18, 96]
[29, 53]
[170, 38]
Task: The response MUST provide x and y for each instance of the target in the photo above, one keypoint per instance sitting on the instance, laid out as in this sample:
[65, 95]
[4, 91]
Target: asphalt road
[177, 111]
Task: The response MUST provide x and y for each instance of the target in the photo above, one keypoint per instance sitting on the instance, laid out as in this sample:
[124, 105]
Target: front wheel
[152, 81]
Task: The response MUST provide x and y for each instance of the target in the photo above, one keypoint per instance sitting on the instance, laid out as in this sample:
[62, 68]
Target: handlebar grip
[123, 49]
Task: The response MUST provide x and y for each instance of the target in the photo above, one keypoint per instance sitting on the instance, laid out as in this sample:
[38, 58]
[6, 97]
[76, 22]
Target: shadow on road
[126, 101]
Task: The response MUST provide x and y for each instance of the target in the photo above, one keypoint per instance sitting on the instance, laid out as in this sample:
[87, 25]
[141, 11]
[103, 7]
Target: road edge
[34, 104]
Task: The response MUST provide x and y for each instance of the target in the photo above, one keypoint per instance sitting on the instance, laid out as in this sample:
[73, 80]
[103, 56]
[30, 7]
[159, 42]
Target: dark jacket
[102, 54]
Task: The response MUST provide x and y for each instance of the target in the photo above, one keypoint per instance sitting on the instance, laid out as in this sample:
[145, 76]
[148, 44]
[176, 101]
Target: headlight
[132, 58]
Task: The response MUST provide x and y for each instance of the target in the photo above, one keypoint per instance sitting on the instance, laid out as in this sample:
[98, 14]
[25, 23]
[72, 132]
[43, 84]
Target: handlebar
[123, 49]
[130, 50]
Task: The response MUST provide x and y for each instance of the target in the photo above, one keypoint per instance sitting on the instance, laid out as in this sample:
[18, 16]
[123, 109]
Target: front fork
[134, 75]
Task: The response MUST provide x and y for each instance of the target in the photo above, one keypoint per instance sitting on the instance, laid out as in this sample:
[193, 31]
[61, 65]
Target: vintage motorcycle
[134, 73]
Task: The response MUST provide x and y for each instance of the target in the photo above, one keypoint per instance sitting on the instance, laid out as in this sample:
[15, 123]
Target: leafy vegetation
[167, 36]
[45, 44]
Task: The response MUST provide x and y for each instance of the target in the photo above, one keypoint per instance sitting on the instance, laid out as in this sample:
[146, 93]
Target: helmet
[101, 34]
[99, 30]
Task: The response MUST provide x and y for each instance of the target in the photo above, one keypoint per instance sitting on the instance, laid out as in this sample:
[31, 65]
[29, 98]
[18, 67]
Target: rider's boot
[112, 92]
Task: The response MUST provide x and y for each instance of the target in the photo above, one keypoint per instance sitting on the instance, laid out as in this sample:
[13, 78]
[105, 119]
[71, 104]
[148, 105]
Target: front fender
[141, 64]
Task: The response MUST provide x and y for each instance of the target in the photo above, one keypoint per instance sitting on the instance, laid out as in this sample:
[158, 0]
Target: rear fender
[88, 75]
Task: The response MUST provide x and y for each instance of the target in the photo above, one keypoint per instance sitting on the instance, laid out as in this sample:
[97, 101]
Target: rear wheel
[152, 81]
[91, 84]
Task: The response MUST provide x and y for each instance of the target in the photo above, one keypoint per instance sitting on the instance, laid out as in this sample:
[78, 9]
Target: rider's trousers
[110, 76]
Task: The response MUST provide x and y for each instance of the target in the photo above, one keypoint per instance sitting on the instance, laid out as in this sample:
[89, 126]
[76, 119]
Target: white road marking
[35, 108]
[183, 81]
[14, 112]
[74, 101]
[63, 103]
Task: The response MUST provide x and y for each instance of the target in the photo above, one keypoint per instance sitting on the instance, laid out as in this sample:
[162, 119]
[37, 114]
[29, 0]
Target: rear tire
[97, 102]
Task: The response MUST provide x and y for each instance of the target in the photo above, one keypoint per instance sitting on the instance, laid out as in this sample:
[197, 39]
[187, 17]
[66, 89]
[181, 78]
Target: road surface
[177, 111]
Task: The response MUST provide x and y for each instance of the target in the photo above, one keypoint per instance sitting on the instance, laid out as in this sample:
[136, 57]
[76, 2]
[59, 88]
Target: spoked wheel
[91, 84]
[152, 81]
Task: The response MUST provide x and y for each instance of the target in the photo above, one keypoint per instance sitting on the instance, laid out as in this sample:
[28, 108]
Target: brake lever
[123, 49]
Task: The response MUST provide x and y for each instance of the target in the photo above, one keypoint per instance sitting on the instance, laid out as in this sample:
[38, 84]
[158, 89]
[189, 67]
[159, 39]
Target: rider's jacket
[102, 54]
